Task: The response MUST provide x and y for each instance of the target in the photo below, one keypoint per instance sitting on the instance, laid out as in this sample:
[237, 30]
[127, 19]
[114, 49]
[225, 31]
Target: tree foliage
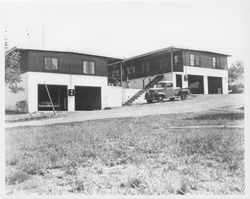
[13, 71]
[236, 73]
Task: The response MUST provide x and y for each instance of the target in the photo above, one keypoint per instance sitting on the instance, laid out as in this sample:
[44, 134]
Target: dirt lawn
[198, 103]
[190, 147]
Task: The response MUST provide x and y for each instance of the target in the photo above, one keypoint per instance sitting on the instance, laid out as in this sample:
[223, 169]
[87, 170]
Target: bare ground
[197, 103]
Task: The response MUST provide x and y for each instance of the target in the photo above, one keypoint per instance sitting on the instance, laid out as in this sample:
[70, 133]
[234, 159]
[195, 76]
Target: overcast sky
[125, 29]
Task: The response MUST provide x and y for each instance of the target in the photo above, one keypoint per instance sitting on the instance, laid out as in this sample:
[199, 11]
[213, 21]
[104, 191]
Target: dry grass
[129, 156]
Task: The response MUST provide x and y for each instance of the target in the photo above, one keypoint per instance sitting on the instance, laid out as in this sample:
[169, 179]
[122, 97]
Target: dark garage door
[58, 94]
[215, 85]
[195, 83]
[87, 98]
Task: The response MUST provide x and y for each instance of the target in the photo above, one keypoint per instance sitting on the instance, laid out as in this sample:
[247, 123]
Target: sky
[125, 29]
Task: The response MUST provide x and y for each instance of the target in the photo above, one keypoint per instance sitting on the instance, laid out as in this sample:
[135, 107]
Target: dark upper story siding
[68, 63]
[206, 59]
[158, 63]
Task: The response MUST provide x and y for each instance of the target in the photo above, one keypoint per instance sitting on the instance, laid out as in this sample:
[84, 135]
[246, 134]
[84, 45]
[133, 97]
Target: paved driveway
[199, 103]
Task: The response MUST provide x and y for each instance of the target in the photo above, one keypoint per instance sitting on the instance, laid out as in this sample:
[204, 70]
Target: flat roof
[67, 51]
[173, 48]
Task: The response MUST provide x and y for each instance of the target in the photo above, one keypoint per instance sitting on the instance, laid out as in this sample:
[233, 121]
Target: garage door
[87, 98]
[215, 85]
[58, 95]
[195, 83]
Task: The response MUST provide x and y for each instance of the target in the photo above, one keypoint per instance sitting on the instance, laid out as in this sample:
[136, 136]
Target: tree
[236, 73]
[12, 69]
[236, 77]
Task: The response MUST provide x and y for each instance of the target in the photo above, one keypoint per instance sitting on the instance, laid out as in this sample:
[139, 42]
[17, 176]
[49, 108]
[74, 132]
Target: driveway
[198, 103]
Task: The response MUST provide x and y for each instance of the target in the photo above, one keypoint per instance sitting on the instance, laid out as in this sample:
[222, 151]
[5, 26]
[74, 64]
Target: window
[197, 60]
[176, 59]
[133, 69]
[89, 67]
[164, 84]
[214, 62]
[117, 73]
[128, 70]
[143, 68]
[123, 71]
[51, 63]
[192, 59]
[160, 63]
[147, 66]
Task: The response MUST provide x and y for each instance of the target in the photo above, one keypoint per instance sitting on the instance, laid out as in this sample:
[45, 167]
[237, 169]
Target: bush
[16, 177]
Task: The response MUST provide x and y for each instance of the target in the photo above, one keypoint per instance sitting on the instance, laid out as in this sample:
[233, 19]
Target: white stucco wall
[138, 82]
[188, 70]
[11, 99]
[113, 96]
[205, 72]
[35, 78]
[127, 93]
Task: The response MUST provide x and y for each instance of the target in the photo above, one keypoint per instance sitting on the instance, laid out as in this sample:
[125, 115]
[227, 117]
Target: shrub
[16, 177]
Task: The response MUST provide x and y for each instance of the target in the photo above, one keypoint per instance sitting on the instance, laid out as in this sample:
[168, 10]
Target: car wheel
[183, 96]
[172, 99]
[159, 98]
[149, 101]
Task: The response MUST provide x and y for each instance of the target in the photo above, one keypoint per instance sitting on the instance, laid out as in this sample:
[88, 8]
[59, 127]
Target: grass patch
[16, 177]
[132, 155]
[11, 118]
[221, 116]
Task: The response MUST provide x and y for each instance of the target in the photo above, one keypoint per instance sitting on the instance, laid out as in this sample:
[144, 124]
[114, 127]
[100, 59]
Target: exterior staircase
[140, 92]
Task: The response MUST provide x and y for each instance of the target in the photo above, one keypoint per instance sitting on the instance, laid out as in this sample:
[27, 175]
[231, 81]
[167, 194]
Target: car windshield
[164, 85]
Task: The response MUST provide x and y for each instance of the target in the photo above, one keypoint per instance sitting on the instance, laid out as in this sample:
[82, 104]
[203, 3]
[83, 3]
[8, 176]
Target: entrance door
[179, 81]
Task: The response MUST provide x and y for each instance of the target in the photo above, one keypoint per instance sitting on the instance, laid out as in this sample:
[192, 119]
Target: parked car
[164, 90]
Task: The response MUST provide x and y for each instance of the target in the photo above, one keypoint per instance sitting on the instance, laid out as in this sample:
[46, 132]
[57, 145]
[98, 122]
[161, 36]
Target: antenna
[43, 26]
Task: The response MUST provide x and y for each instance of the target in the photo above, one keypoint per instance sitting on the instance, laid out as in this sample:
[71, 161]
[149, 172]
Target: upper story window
[133, 69]
[143, 67]
[197, 60]
[123, 71]
[128, 71]
[176, 59]
[194, 60]
[50, 63]
[160, 60]
[89, 67]
[117, 73]
[147, 66]
[215, 63]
